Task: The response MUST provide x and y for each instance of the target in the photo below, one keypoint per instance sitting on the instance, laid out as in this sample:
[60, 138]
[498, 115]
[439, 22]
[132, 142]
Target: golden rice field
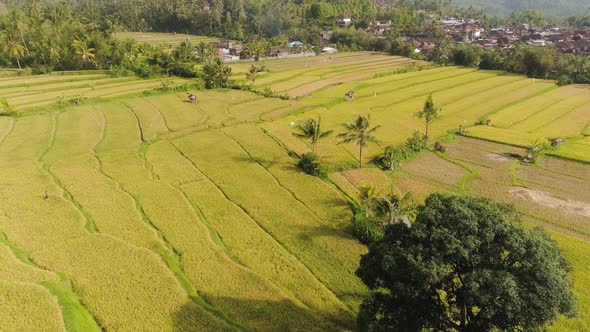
[37, 92]
[149, 213]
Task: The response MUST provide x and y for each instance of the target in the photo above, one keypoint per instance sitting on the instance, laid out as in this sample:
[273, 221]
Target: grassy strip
[90, 224]
[19, 253]
[473, 174]
[75, 315]
[513, 171]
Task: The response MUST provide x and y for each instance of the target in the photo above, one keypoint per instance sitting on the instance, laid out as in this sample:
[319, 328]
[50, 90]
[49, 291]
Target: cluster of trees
[47, 37]
[240, 19]
[42, 37]
[579, 21]
[360, 133]
[537, 62]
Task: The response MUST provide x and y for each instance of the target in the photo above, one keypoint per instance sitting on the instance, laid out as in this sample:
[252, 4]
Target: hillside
[549, 7]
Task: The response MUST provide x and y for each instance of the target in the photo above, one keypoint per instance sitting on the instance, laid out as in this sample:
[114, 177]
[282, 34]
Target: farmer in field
[192, 98]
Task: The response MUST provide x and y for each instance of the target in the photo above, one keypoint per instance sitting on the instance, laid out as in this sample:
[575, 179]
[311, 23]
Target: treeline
[239, 19]
[536, 62]
[40, 38]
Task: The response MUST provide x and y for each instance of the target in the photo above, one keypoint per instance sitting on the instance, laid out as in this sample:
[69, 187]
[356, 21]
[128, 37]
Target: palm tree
[310, 129]
[15, 22]
[13, 48]
[429, 113]
[82, 50]
[392, 208]
[358, 132]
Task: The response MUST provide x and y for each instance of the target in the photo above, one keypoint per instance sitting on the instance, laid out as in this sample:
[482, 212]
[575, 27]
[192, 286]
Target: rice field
[27, 93]
[163, 39]
[146, 212]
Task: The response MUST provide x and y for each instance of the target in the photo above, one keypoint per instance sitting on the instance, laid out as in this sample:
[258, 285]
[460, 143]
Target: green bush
[564, 80]
[416, 143]
[120, 71]
[391, 157]
[310, 163]
[366, 229]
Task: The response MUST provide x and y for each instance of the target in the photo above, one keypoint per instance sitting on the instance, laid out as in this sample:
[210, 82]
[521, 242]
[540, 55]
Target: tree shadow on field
[308, 232]
[265, 162]
[512, 155]
[258, 315]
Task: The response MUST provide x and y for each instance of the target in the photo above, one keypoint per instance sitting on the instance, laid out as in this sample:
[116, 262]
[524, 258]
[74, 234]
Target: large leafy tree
[464, 265]
[360, 133]
[311, 130]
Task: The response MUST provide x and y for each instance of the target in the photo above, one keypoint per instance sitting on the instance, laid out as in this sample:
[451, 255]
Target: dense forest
[238, 19]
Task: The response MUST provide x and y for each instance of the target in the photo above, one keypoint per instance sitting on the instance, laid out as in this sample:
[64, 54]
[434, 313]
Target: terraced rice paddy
[152, 213]
[39, 91]
[163, 39]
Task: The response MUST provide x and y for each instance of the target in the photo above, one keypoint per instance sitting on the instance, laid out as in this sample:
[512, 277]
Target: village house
[344, 20]
[378, 28]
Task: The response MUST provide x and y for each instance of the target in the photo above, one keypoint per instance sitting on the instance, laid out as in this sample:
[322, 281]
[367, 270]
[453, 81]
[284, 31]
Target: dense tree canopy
[465, 265]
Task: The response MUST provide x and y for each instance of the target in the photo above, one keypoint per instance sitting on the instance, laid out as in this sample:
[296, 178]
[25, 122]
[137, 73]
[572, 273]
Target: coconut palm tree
[311, 129]
[82, 50]
[14, 24]
[13, 48]
[359, 133]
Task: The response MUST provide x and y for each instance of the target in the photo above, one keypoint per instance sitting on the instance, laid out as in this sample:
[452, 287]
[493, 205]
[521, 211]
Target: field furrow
[243, 237]
[216, 277]
[331, 258]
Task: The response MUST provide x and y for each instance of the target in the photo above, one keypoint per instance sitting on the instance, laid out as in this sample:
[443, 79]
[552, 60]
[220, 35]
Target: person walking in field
[192, 98]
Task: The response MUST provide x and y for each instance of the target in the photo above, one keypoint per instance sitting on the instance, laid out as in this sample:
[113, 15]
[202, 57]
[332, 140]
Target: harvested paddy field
[141, 211]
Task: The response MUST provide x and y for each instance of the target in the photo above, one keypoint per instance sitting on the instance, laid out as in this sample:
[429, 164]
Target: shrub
[391, 157]
[564, 80]
[416, 143]
[144, 70]
[366, 229]
[310, 164]
[5, 106]
[120, 71]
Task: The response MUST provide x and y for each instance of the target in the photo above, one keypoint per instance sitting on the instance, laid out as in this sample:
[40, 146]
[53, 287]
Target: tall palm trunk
[18, 62]
[361, 155]
[23, 40]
